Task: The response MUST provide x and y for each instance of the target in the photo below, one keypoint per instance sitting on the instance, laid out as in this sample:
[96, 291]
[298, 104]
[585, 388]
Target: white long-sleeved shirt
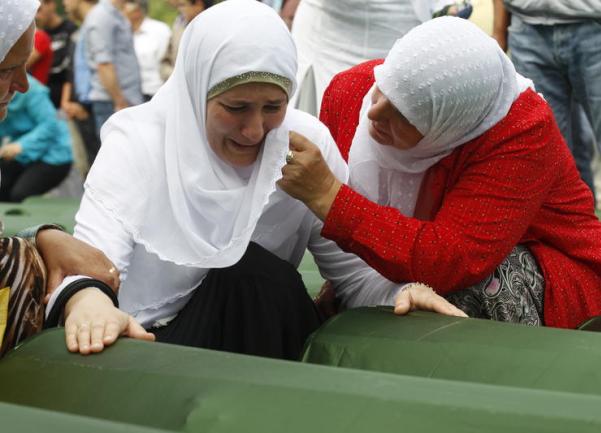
[295, 230]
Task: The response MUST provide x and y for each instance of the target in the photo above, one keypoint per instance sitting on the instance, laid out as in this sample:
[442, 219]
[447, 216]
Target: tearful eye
[272, 108]
[5, 73]
[234, 108]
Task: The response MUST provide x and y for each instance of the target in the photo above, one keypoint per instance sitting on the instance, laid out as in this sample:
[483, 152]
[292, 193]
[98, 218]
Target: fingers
[299, 142]
[83, 338]
[135, 330]
[88, 337]
[403, 303]
[71, 337]
[421, 297]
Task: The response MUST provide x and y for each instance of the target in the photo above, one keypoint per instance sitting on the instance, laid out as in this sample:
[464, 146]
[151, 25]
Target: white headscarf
[452, 82]
[15, 17]
[172, 193]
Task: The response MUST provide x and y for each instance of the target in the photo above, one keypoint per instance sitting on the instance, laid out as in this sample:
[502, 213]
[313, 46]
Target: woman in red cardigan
[460, 179]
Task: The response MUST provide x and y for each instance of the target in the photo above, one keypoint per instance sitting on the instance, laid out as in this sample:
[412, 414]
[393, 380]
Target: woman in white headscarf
[183, 199]
[459, 178]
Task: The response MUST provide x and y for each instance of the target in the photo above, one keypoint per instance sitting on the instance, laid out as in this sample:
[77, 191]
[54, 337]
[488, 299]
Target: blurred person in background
[75, 100]
[558, 46]
[151, 41]
[188, 9]
[41, 57]
[106, 38]
[333, 35]
[36, 152]
[60, 31]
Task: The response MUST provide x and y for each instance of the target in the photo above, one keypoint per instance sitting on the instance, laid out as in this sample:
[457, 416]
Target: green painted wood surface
[22, 419]
[430, 345]
[191, 390]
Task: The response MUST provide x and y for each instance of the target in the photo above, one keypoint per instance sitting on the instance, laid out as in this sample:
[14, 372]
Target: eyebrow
[245, 101]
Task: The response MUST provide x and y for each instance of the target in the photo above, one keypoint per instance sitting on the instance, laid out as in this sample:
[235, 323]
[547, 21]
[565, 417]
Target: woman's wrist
[322, 204]
[87, 295]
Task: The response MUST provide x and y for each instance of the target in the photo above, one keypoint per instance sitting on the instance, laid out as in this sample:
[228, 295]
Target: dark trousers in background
[21, 181]
[102, 110]
[89, 135]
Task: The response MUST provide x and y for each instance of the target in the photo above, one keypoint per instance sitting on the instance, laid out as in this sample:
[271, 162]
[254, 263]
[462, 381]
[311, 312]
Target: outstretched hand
[307, 177]
[417, 296]
[93, 322]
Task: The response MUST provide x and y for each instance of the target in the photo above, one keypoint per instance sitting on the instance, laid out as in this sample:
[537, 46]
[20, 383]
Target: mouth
[243, 148]
[377, 133]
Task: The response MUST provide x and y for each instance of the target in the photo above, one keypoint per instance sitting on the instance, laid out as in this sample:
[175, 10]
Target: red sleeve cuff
[345, 215]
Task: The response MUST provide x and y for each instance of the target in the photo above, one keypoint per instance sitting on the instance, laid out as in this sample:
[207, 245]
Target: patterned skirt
[513, 293]
[22, 290]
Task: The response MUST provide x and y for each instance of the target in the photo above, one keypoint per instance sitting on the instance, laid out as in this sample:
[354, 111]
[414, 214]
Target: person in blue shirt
[35, 155]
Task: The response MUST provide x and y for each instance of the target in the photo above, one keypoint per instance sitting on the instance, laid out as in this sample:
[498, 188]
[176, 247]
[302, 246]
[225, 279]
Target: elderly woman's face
[238, 121]
[389, 127]
[13, 77]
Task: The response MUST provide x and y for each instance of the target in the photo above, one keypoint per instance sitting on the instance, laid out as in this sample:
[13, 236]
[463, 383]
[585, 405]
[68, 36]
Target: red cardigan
[516, 183]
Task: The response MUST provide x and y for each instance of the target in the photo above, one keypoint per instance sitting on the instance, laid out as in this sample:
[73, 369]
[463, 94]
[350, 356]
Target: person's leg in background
[582, 144]
[89, 134]
[101, 110]
[582, 51]
[38, 178]
[10, 172]
[536, 55]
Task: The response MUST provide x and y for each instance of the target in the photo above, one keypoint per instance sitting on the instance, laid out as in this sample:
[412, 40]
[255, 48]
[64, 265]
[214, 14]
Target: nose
[253, 129]
[19, 81]
[376, 111]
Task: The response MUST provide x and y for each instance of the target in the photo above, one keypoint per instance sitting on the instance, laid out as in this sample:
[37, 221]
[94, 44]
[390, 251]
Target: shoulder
[528, 131]
[41, 39]
[361, 74]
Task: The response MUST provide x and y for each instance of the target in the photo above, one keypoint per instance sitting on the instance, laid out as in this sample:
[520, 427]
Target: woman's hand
[307, 177]
[10, 151]
[93, 322]
[417, 296]
[64, 255]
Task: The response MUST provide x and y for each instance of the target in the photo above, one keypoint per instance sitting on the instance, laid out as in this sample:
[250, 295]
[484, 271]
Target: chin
[3, 112]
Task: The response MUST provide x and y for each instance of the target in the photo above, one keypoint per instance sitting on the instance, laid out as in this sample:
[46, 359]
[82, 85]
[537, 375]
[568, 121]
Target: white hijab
[15, 17]
[174, 195]
[452, 82]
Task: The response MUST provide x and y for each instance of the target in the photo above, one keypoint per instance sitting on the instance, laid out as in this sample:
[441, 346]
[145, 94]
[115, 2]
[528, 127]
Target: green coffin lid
[431, 345]
[21, 419]
[191, 390]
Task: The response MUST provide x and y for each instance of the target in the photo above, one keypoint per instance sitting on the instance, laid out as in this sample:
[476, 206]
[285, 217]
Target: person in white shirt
[183, 198]
[151, 41]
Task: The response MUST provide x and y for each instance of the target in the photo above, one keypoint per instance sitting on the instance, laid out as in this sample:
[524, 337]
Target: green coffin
[430, 345]
[151, 385]
[20, 419]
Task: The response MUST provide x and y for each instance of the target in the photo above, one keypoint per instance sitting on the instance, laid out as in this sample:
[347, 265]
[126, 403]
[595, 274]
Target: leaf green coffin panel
[20, 419]
[431, 345]
[151, 385]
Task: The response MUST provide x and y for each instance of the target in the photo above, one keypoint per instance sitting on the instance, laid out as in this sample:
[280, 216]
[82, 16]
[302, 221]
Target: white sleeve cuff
[60, 288]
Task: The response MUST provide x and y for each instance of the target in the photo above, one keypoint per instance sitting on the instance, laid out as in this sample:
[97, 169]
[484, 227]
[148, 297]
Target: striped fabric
[22, 271]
